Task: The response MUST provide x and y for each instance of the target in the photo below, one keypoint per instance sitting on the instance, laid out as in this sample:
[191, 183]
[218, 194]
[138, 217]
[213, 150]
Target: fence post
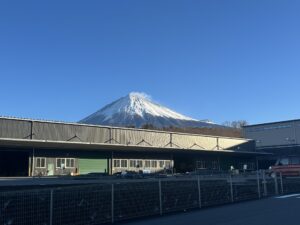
[276, 184]
[231, 187]
[199, 192]
[51, 208]
[281, 182]
[160, 197]
[112, 203]
[258, 184]
[265, 184]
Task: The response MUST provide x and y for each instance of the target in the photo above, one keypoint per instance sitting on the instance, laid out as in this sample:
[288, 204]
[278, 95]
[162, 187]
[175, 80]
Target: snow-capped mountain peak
[138, 109]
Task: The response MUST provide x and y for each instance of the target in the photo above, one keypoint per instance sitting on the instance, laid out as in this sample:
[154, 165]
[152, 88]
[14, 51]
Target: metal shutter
[92, 166]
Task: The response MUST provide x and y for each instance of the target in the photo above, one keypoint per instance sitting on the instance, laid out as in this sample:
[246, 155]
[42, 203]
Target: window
[147, 163]
[153, 164]
[117, 163]
[215, 165]
[201, 165]
[70, 163]
[247, 166]
[135, 163]
[139, 163]
[40, 162]
[120, 163]
[251, 166]
[124, 163]
[65, 163]
[282, 162]
[132, 163]
[167, 164]
[161, 164]
[60, 163]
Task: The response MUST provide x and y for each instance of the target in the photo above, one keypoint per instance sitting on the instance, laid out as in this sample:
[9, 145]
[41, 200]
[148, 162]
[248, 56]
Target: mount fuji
[137, 109]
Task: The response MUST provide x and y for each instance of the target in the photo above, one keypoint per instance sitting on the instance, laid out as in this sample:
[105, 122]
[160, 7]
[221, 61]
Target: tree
[238, 124]
[148, 126]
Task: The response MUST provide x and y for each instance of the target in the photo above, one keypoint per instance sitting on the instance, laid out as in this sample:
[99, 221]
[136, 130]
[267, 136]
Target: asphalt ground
[271, 211]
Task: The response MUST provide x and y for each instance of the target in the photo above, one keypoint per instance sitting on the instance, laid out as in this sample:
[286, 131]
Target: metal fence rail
[246, 190]
[179, 195]
[215, 192]
[26, 207]
[135, 199]
[289, 186]
[81, 205]
[121, 200]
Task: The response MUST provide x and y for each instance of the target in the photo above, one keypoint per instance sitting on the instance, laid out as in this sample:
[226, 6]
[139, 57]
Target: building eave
[84, 146]
[271, 123]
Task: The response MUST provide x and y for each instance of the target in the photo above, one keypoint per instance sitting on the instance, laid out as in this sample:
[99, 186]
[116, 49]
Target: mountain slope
[137, 109]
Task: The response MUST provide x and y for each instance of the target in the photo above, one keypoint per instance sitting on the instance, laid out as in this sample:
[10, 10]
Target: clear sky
[208, 59]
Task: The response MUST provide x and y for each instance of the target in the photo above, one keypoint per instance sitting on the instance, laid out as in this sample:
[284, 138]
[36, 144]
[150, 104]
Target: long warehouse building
[44, 148]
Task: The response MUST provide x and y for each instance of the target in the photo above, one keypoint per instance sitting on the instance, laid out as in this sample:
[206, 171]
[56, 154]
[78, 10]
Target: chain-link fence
[119, 200]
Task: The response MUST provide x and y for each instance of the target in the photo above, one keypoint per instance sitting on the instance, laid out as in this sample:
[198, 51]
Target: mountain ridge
[137, 109]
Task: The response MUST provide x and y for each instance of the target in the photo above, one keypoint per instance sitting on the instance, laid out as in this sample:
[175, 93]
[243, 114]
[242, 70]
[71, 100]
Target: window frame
[61, 159]
[201, 164]
[117, 160]
[123, 160]
[71, 159]
[161, 164]
[64, 160]
[168, 164]
[40, 160]
[139, 163]
[215, 165]
[145, 164]
[132, 163]
[153, 164]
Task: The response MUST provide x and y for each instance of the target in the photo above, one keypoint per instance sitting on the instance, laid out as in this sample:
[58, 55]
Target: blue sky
[221, 60]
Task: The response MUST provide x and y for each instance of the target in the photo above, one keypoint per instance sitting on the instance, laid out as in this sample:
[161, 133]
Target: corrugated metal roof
[270, 123]
[114, 127]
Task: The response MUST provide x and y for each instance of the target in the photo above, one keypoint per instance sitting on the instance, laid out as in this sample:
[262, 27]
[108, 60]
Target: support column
[32, 163]
[111, 161]
[172, 163]
[29, 164]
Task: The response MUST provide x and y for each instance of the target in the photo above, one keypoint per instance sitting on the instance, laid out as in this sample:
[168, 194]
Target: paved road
[272, 211]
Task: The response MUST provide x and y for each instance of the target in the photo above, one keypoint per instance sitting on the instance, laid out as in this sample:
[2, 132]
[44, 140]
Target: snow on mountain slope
[137, 109]
[139, 104]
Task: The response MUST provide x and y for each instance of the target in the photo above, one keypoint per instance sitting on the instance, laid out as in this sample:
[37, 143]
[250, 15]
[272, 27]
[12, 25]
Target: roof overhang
[84, 146]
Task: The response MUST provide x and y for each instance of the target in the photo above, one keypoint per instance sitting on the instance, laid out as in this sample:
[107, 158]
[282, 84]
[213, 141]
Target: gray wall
[274, 134]
[57, 171]
[55, 131]
[52, 154]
